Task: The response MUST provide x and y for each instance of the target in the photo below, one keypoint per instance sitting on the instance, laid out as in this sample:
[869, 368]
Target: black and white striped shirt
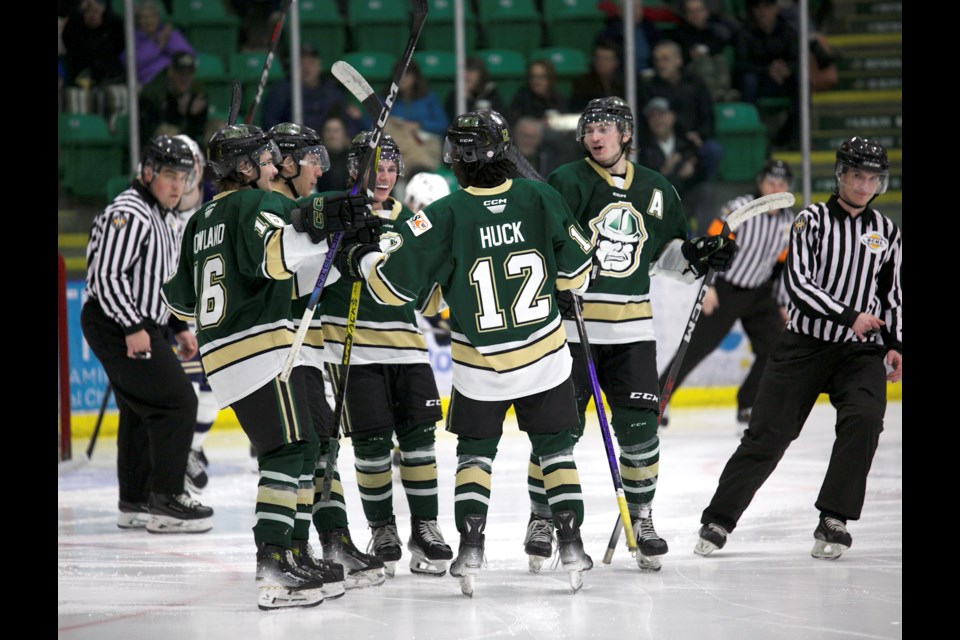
[763, 241]
[839, 266]
[133, 248]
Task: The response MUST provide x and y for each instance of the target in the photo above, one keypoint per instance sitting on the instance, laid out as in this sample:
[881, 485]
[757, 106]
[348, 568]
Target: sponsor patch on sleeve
[800, 224]
[119, 219]
[874, 242]
[272, 219]
[419, 223]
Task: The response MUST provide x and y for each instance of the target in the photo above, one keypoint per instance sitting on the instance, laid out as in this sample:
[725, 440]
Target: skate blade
[704, 547]
[363, 579]
[827, 550]
[333, 590]
[576, 580]
[467, 583]
[648, 563]
[390, 568]
[534, 563]
[423, 566]
[166, 524]
[272, 598]
[133, 520]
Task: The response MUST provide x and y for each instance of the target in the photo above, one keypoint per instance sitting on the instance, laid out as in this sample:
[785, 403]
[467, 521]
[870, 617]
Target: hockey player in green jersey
[498, 249]
[303, 161]
[240, 260]
[391, 390]
[635, 219]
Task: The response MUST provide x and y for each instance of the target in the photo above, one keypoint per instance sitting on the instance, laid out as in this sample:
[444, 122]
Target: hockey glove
[322, 216]
[565, 304]
[709, 252]
[349, 257]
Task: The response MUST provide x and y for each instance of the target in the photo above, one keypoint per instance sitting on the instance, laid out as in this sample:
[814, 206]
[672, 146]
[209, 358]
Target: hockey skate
[133, 515]
[281, 583]
[650, 546]
[330, 572]
[196, 478]
[538, 544]
[470, 555]
[712, 537]
[429, 553]
[178, 513]
[385, 544]
[831, 539]
[572, 556]
[360, 569]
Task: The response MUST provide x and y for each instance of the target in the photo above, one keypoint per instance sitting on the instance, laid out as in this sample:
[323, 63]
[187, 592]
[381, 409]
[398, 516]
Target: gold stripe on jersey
[374, 480]
[241, 349]
[473, 475]
[576, 280]
[397, 338]
[279, 497]
[431, 306]
[616, 311]
[640, 473]
[509, 360]
[490, 191]
[381, 290]
[559, 477]
[627, 181]
[274, 265]
[418, 474]
[534, 471]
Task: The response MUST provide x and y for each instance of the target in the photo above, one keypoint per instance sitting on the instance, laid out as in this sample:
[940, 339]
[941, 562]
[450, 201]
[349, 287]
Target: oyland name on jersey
[209, 238]
[498, 234]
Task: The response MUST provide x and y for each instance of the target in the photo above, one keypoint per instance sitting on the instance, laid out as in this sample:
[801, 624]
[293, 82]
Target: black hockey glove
[709, 252]
[349, 257]
[565, 304]
[329, 214]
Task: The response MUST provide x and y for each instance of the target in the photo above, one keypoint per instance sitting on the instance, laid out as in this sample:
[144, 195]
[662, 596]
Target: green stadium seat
[117, 185]
[438, 31]
[507, 68]
[218, 84]
[375, 66]
[744, 140]
[513, 24]
[568, 63]
[379, 25]
[322, 26]
[91, 155]
[572, 23]
[206, 23]
[440, 70]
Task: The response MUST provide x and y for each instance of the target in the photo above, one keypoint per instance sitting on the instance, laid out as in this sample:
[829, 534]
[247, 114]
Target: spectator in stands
[93, 38]
[603, 79]
[539, 95]
[156, 42]
[703, 37]
[174, 102]
[689, 99]
[645, 35]
[482, 93]
[322, 97]
[418, 121]
[767, 63]
[337, 142]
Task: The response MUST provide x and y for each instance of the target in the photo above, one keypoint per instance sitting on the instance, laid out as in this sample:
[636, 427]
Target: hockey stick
[419, 16]
[236, 95]
[527, 171]
[357, 85]
[753, 208]
[268, 62]
[96, 428]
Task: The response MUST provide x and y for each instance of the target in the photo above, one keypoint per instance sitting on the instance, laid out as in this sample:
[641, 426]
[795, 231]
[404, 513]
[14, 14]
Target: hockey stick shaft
[268, 61]
[100, 414]
[734, 220]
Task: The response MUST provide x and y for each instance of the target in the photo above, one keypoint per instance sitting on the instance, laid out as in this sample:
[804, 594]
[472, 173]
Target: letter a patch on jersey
[419, 224]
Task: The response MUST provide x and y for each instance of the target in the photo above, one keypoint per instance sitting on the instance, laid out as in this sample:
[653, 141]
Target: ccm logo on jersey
[419, 223]
[433, 403]
[643, 395]
[497, 205]
[874, 242]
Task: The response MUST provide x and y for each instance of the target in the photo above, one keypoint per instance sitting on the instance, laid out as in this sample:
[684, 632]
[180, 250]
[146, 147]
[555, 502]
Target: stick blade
[760, 205]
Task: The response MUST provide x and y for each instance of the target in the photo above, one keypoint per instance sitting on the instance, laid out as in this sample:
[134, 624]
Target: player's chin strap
[291, 186]
[623, 150]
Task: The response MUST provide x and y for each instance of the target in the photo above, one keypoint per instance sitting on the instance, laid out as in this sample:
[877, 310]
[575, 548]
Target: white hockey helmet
[423, 189]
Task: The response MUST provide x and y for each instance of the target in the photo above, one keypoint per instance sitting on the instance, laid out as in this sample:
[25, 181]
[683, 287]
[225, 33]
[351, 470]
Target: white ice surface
[764, 584]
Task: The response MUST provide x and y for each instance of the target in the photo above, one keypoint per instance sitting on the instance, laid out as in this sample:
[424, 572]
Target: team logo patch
[800, 224]
[618, 235]
[419, 224]
[390, 242]
[874, 242]
[273, 219]
[119, 220]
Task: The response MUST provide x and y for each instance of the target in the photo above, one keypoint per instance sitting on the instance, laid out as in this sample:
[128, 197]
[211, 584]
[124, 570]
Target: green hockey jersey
[383, 334]
[497, 255]
[235, 278]
[630, 220]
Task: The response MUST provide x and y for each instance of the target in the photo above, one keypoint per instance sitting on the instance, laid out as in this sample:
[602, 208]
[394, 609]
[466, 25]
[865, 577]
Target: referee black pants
[157, 404]
[757, 311]
[801, 368]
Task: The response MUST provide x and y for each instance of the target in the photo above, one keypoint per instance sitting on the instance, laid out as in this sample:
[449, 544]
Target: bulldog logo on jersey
[618, 234]
[390, 242]
[874, 242]
[419, 224]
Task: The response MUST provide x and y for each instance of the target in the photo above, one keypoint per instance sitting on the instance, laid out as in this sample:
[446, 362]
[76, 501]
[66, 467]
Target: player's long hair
[483, 174]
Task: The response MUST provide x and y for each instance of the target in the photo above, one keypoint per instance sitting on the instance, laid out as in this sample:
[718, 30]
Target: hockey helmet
[609, 109]
[776, 169]
[237, 148]
[423, 189]
[168, 151]
[360, 147]
[299, 142]
[477, 136]
[864, 154]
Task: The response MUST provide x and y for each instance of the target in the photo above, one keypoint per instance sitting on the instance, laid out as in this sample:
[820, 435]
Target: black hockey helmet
[477, 136]
[609, 109]
[864, 154]
[360, 147]
[168, 151]
[776, 169]
[299, 142]
[237, 148]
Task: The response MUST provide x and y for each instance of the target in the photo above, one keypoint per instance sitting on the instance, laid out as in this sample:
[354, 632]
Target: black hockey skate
[650, 545]
[330, 572]
[281, 583]
[470, 555]
[831, 538]
[572, 556]
[133, 515]
[385, 544]
[429, 553]
[538, 544]
[712, 537]
[178, 513]
[360, 569]
[196, 478]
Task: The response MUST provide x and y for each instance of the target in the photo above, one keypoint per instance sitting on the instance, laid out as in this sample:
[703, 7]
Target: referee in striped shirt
[133, 248]
[845, 322]
[747, 290]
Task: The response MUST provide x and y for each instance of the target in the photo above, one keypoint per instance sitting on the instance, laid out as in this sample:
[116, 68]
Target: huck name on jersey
[506, 233]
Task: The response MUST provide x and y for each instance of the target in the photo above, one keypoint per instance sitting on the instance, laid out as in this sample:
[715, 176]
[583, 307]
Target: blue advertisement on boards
[88, 380]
